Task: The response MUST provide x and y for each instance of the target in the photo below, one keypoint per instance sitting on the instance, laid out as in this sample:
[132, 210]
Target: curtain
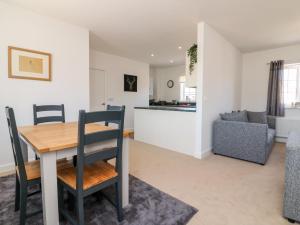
[275, 103]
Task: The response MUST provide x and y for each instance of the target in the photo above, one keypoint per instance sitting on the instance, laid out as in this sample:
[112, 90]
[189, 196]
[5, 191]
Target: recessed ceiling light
[152, 55]
[171, 61]
[179, 47]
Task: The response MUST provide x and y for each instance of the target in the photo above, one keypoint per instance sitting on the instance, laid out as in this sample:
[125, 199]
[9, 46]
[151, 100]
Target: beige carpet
[226, 191]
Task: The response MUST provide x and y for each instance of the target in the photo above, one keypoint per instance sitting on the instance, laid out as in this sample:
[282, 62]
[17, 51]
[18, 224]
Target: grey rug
[148, 206]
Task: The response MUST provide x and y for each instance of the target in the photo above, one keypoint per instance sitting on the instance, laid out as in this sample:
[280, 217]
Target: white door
[97, 90]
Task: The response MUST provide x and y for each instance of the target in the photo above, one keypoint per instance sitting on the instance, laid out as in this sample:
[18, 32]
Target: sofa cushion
[271, 135]
[235, 116]
[257, 117]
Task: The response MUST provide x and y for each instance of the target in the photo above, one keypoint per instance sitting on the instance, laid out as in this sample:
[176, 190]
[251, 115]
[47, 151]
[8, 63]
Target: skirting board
[281, 139]
[203, 154]
[198, 156]
[206, 153]
[7, 169]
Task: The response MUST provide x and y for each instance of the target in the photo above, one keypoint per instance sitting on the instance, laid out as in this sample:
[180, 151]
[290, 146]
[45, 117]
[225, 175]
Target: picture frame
[130, 83]
[29, 64]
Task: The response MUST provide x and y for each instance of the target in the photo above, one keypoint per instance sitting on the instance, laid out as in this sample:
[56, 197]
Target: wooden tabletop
[58, 136]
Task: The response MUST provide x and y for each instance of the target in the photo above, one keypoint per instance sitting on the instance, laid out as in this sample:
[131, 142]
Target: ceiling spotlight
[179, 47]
[152, 55]
[171, 61]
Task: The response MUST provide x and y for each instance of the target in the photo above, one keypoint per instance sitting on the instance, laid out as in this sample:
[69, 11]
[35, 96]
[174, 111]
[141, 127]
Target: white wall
[255, 78]
[255, 74]
[69, 46]
[115, 67]
[161, 75]
[219, 72]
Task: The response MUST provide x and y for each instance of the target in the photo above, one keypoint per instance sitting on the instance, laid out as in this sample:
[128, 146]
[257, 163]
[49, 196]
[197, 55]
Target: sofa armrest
[240, 139]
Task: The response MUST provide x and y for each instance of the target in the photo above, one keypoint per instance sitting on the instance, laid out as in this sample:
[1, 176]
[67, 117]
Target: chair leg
[37, 158]
[60, 200]
[23, 204]
[17, 196]
[80, 210]
[119, 201]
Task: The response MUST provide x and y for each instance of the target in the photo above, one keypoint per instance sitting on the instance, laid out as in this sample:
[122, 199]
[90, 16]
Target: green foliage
[192, 53]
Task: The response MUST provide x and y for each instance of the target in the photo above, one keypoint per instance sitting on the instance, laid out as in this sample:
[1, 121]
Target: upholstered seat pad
[33, 168]
[93, 174]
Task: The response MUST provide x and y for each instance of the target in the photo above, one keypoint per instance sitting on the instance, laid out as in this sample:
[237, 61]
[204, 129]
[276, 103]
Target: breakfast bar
[171, 128]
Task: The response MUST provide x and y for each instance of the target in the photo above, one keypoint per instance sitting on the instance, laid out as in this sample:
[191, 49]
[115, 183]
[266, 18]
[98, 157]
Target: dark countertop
[166, 108]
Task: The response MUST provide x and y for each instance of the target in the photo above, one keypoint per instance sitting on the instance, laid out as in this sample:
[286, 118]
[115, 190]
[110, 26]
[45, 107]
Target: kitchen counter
[169, 108]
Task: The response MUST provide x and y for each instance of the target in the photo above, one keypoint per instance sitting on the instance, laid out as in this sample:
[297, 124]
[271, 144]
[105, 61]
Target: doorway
[97, 90]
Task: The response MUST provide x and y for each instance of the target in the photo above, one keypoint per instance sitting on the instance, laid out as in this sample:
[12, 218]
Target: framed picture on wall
[130, 83]
[29, 64]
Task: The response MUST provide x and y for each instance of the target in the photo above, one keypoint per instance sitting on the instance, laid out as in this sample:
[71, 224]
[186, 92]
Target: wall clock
[170, 84]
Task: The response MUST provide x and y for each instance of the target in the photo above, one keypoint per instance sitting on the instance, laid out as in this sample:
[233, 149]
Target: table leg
[24, 148]
[49, 188]
[125, 170]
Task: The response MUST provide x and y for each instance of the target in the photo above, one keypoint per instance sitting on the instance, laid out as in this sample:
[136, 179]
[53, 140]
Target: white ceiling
[137, 28]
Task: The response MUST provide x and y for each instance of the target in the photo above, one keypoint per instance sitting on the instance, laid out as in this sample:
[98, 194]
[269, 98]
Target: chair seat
[33, 168]
[93, 174]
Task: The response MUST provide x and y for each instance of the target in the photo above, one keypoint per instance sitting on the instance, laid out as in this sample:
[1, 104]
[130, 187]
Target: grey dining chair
[92, 173]
[46, 108]
[114, 108]
[27, 174]
[46, 119]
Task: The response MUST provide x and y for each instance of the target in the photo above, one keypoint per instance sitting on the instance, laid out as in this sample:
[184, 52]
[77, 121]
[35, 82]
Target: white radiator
[285, 125]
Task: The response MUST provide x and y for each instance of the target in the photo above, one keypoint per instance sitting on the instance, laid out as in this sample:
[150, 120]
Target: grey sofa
[243, 140]
[291, 207]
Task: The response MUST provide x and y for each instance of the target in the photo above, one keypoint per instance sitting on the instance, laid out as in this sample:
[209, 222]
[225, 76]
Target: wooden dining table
[59, 140]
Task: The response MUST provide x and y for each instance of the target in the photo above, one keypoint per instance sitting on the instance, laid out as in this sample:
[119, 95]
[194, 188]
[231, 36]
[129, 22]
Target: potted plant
[192, 54]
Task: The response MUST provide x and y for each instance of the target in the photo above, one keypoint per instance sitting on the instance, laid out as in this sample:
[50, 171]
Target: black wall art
[130, 83]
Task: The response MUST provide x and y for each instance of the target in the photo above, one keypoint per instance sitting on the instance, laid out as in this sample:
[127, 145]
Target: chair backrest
[46, 119]
[96, 138]
[114, 108]
[15, 142]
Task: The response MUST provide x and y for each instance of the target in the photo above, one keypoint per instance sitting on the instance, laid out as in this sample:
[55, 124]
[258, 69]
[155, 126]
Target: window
[291, 85]
[187, 94]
